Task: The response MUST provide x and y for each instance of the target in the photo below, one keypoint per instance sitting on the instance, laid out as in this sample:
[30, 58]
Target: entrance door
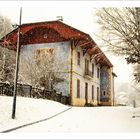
[86, 92]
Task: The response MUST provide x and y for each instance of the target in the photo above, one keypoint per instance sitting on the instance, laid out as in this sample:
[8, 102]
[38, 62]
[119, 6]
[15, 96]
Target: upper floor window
[98, 72]
[86, 66]
[78, 58]
[42, 53]
[92, 69]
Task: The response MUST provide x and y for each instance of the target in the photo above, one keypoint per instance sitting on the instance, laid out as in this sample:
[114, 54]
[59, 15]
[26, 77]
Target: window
[40, 54]
[98, 72]
[86, 66]
[98, 94]
[78, 58]
[103, 93]
[92, 69]
[97, 90]
[92, 92]
[86, 92]
[78, 88]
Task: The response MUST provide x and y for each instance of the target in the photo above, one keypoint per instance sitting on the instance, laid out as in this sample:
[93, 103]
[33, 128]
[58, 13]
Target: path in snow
[88, 120]
[77, 119]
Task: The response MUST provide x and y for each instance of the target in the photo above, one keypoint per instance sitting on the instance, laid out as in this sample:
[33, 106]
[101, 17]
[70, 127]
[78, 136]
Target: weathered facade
[88, 72]
[62, 55]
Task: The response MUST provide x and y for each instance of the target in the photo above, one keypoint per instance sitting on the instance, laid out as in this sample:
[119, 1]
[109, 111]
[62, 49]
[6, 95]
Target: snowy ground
[77, 119]
[28, 110]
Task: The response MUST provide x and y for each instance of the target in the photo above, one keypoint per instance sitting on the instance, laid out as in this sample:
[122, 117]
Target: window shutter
[78, 58]
[78, 88]
[92, 69]
[98, 94]
[92, 92]
[98, 72]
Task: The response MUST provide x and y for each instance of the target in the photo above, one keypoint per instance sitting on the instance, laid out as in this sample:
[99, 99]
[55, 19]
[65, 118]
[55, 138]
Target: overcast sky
[80, 15]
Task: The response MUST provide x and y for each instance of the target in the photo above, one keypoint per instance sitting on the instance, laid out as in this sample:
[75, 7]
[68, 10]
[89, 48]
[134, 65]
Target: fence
[28, 91]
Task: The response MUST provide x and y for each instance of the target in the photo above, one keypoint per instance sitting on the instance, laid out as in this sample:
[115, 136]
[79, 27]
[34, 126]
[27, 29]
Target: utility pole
[17, 68]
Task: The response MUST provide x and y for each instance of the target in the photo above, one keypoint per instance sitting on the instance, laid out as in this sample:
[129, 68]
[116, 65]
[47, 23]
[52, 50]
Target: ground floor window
[92, 92]
[98, 94]
[86, 92]
[104, 93]
[78, 88]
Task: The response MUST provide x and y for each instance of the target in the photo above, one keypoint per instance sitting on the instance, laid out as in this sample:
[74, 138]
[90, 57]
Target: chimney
[59, 18]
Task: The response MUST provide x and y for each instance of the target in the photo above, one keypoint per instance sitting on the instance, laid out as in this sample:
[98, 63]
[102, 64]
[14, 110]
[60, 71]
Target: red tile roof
[65, 31]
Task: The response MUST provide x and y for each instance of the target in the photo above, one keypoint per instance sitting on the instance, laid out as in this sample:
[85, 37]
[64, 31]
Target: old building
[88, 72]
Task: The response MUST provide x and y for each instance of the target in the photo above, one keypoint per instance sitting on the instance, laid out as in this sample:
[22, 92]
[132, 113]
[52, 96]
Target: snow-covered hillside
[28, 110]
[76, 119]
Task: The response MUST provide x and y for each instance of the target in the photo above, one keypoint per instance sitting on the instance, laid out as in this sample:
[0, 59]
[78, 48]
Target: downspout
[111, 80]
[113, 90]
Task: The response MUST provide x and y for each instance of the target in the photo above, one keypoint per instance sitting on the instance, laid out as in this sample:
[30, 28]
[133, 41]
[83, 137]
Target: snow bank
[28, 110]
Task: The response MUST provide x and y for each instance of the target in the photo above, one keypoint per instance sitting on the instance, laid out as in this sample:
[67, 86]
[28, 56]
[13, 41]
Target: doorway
[86, 92]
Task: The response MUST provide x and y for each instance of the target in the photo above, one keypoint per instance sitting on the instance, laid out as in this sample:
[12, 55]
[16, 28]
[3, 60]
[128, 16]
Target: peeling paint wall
[62, 54]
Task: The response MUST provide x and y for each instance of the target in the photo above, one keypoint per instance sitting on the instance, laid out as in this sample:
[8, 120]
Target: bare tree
[121, 32]
[137, 73]
[45, 71]
[7, 57]
[5, 26]
[7, 64]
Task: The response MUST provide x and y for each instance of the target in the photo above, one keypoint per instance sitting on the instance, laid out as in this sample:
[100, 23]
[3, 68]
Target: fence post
[54, 95]
[134, 103]
[2, 90]
[30, 91]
